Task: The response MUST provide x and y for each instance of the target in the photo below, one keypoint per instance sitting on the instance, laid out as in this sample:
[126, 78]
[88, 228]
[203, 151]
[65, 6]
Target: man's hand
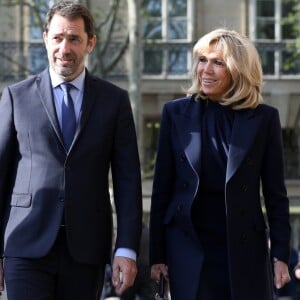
[1, 277]
[124, 273]
[281, 274]
[297, 271]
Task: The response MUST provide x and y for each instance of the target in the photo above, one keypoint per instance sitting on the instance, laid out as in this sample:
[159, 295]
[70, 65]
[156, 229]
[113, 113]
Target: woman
[217, 148]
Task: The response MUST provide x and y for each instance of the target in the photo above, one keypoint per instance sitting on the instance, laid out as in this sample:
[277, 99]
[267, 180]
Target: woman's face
[213, 74]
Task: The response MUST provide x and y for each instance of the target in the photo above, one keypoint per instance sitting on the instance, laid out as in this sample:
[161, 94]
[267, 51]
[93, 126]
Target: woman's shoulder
[266, 109]
[180, 103]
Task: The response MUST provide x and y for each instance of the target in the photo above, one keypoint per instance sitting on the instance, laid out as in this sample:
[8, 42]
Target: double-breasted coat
[255, 162]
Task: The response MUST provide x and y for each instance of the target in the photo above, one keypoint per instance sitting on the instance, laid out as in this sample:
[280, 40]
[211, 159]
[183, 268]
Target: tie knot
[66, 87]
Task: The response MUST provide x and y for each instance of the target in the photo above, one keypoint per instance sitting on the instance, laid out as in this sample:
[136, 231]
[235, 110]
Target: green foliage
[290, 31]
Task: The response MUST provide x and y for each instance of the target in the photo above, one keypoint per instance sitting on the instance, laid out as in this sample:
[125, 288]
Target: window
[8, 61]
[167, 32]
[274, 26]
[37, 52]
[291, 152]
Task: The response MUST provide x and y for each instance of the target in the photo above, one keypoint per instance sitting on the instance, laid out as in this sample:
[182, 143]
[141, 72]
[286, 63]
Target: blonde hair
[243, 63]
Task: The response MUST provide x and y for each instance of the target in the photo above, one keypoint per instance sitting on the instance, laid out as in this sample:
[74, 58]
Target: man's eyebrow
[73, 35]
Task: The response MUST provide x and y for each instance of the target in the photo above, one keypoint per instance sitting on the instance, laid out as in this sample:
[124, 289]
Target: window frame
[278, 44]
[37, 55]
[164, 43]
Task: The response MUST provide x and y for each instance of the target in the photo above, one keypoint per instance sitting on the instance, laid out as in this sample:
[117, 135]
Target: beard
[68, 71]
[63, 70]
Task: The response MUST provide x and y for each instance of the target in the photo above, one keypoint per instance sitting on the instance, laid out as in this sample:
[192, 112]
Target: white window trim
[190, 17]
[277, 39]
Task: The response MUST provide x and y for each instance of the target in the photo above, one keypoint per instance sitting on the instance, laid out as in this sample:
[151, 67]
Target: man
[55, 208]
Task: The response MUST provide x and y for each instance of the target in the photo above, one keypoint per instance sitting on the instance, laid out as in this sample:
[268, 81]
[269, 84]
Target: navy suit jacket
[255, 160]
[40, 181]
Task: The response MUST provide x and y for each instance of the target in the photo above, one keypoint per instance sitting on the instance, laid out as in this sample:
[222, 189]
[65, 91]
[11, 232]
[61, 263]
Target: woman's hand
[281, 274]
[158, 269]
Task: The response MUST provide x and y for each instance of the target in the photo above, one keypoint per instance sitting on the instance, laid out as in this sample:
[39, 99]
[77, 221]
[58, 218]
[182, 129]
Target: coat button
[249, 161]
[244, 187]
[182, 158]
[185, 185]
[179, 208]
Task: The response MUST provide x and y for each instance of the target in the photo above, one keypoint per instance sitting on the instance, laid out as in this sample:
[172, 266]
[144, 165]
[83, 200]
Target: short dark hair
[71, 10]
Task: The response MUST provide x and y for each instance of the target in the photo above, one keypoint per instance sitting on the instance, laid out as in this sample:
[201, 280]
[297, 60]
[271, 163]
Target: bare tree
[107, 53]
[134, 57]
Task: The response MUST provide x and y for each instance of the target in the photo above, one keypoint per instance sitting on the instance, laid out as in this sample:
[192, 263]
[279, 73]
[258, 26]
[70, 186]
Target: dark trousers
[54, 277]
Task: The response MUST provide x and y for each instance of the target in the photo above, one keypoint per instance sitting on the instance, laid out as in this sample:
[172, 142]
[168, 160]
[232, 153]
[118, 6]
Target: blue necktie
[68, 115]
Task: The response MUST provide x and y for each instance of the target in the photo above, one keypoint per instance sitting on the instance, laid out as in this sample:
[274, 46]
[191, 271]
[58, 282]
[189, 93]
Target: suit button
[61, 199]
[185, 185]
[244, 237]
[179, 208]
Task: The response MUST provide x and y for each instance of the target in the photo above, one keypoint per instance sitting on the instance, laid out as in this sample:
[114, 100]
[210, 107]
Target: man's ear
[91, 44]
[45, 36]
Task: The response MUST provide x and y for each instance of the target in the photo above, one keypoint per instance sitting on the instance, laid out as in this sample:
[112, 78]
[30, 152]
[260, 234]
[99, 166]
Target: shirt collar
[78, 82]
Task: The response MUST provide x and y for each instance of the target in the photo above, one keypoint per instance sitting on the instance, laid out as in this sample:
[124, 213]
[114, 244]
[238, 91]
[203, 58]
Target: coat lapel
[246, 124]
[245, 128]
[188, 125]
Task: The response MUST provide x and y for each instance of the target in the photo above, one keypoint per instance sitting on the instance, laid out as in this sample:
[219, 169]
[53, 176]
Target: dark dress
[209, 209]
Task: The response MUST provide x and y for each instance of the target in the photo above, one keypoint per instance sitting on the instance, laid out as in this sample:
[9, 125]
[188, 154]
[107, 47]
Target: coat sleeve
[274, 191]
[8, 142]
[126, 178]
[162, 189]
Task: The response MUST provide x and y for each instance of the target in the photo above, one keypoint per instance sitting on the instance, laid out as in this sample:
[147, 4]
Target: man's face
[67, 46]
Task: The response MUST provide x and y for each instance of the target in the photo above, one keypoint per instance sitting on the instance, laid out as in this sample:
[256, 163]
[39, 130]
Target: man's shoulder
[27, 82]
[104, 84]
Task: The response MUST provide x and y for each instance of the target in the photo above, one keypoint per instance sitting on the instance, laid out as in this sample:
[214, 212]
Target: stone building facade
[168, 29]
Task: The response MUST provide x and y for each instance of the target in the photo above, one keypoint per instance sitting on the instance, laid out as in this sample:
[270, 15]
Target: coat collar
[246, 124]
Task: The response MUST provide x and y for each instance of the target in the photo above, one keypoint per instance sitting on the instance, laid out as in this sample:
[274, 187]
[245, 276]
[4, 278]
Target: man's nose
[64, 46]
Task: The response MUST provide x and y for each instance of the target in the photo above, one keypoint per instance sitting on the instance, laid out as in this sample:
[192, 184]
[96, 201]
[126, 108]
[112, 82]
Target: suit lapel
[246, 124]
[46, 96]
[87, 102]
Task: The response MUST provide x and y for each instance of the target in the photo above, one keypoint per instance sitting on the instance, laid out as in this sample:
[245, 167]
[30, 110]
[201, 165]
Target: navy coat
[255, 161]
[40, 181]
